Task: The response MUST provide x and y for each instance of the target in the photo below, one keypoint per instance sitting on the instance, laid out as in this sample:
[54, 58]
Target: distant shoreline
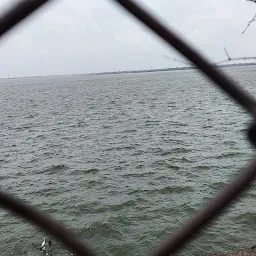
[169, 69]
[134, 71]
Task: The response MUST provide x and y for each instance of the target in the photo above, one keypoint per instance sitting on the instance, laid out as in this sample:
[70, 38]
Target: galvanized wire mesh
[215, 206]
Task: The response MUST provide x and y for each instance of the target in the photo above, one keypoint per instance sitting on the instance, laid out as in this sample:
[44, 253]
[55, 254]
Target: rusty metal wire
[191, 227]
[19, 12]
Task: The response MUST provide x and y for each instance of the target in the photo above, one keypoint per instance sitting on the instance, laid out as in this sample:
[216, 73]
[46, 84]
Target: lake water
[124, 159]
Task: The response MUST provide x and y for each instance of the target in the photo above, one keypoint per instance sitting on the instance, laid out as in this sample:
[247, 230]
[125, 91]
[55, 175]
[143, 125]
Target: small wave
[124, 204]
[164, 190]
[46, 191]
[183, 160]
[106, 229]
[118, 168]
[138, 153]
[93, 183]
[229, 142]
[115, 207]
[186, 208]
[250, 194]
[175, 141]
[19, 174]
[159, 163]
[207, 126]
[169, 164]
[139, 166]
[81, 124]
[168, 189]
[247, 217]
[89, 207]
[178, 132]
[136, 175]
[174, 167]
[243, 130]
[23, 128]
[94, 170]
[57, 167]
[180, 124]
[53, 169]
[29, 116]
[40, 136]
[174, 151]
[2, 177]
[106, 126]
[172, 103]
[130, 147]
[205, 167]
[78, 172]
[229, 155]
[217, 185]
[130, 131]
[151, 123]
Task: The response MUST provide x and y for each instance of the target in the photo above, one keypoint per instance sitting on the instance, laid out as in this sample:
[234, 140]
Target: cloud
[92, 36]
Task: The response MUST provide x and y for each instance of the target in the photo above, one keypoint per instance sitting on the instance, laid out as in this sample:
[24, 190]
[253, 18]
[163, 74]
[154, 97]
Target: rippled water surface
[123, 159]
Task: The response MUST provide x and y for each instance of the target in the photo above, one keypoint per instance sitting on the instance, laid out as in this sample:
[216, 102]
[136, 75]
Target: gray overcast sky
[81, 36]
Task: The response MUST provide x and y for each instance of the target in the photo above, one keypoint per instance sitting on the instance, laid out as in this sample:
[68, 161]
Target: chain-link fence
[215, 206]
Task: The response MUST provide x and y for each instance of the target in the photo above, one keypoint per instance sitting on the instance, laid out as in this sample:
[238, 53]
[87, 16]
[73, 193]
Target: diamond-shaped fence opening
[215, 206]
